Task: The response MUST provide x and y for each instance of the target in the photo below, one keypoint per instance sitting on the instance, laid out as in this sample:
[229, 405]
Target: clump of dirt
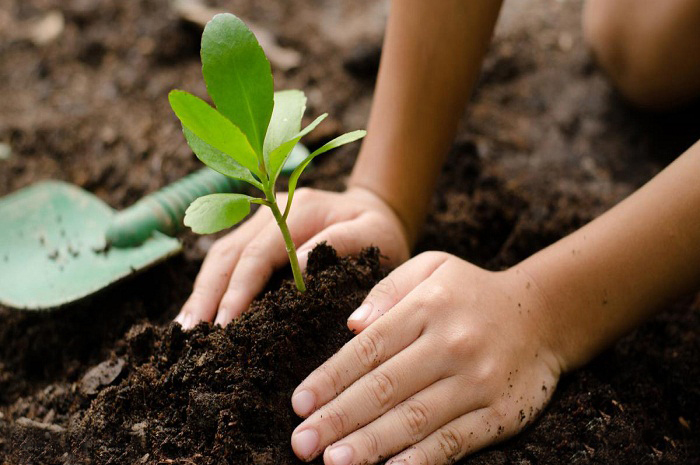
[37, 348]
[546, 146]
[206, 396]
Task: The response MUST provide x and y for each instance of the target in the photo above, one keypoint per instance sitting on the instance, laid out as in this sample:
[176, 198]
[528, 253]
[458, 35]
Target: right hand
[238, 265]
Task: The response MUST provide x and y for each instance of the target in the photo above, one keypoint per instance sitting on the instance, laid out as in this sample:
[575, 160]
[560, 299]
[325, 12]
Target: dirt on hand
[545, 147]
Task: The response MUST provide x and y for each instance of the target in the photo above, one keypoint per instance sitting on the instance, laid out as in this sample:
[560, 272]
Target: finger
[213, 278]
[258, 260]
[358, 357]
[406, 424]
[368, 398]
[390, 290]
[344, 237]
[464, 435]
[349, 237]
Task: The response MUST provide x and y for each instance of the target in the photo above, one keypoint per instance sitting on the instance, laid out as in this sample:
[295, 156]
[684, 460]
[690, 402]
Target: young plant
[249, 135]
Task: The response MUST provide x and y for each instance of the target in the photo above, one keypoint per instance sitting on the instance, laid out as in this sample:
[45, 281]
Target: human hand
[238, 266]
[458, 360]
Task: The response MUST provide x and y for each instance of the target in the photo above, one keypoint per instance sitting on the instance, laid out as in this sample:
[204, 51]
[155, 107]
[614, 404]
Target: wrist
[575, 324]
[536, 303]
[409, 224]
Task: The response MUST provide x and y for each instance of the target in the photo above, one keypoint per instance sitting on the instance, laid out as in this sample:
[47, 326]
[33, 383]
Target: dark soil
[209, 395]
[546, 147]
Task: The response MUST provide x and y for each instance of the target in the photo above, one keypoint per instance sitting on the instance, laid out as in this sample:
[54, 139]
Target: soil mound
[206, 396]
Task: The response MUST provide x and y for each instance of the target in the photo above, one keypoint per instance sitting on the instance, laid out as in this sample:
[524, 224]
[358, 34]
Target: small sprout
[249, 135]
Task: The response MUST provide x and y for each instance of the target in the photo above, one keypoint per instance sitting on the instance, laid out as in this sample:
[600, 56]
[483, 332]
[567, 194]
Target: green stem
[291, 250]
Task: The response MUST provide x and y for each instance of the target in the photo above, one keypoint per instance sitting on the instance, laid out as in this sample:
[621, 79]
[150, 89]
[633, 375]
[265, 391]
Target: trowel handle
[164, 210]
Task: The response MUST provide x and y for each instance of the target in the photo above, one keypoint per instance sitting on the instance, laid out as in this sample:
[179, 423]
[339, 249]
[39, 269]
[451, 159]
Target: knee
[629, 55]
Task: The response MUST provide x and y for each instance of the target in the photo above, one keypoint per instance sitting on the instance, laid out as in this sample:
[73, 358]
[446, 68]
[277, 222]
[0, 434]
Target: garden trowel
[59, 243]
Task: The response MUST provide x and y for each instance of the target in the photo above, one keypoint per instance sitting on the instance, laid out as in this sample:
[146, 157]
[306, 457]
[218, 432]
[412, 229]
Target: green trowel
[59, 243]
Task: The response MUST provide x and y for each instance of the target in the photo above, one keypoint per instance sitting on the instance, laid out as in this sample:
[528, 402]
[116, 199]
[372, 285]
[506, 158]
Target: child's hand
[238, 265]
[457, 361]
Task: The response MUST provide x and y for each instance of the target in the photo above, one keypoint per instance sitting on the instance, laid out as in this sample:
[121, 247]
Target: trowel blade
[52, 247]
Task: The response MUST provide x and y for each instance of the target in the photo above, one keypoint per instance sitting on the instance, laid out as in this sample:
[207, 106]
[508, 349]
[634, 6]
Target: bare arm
[605, 278]
[431, 59]
[479, 352]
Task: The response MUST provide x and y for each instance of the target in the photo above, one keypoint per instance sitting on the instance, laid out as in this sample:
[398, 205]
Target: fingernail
[305, 443]
[303, 402]
[187, 321]
[361, 313]
[340, 455]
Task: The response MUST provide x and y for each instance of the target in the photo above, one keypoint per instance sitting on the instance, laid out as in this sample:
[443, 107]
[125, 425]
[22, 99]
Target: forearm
[430, 62]
[607, 277]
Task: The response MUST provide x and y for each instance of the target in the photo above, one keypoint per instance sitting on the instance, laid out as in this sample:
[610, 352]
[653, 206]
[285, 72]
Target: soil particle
[101, 375]
[209, 395]
[546, 146]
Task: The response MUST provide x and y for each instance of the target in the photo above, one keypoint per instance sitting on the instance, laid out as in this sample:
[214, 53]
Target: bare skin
[412, 123]
[648, 48]
[479, 353]
[448, 357]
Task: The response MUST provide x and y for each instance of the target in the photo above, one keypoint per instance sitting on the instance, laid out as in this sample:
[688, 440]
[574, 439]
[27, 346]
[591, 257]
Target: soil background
[546, 145]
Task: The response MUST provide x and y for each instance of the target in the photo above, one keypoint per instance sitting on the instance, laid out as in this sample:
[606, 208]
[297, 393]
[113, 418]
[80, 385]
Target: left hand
[458, 360]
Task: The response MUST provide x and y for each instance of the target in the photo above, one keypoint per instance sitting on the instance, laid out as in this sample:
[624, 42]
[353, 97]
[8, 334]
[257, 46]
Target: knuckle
[451, 442]
[461, 343]
[385, 290]
[370, 348]
[498, 412]
[338, 421]
[331, 378]
[434, 297]
[486, 372]
[372, 442]
[382, 390]
[415, 418]
[419, 456]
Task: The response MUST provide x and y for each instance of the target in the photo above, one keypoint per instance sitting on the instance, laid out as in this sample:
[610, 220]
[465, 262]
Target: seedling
[249, 135]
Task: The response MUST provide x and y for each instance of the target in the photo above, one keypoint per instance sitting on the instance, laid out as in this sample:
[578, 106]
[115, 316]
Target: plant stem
[289, 244]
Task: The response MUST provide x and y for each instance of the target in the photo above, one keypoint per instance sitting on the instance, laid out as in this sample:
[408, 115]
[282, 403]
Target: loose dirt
[546, 146]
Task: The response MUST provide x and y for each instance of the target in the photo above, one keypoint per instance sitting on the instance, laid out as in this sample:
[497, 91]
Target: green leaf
[238, 76]
[337, 142]
[215, 212]
[286, 119]
[213, 128]
[218, 160]
[279, 156]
